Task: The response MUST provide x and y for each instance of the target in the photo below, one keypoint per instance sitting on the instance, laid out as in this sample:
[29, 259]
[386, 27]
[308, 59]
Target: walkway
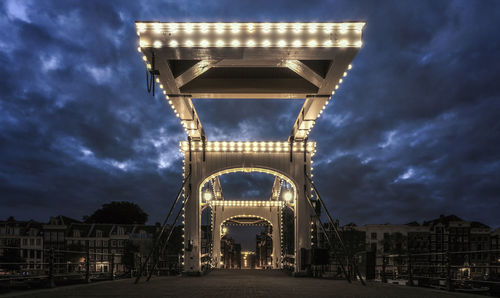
[240, 284]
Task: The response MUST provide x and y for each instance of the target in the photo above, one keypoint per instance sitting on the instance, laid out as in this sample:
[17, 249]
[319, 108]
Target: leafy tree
[118, 213]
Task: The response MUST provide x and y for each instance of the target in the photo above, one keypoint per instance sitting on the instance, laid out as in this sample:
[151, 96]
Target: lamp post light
[207, 196]
[287, 196]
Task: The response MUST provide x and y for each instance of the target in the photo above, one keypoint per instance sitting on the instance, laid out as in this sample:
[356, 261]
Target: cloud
[412, 132]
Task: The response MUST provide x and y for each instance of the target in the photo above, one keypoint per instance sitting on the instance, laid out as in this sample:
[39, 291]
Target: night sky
[412, 133]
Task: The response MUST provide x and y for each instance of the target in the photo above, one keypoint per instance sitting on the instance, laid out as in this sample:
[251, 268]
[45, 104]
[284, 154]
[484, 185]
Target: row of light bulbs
[281, 43]
[328, 100]
[246, 215]
[247, 203]
[236, 28]
[247, 146]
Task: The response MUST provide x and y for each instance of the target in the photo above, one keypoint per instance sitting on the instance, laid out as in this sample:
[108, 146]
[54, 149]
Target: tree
[118, 213]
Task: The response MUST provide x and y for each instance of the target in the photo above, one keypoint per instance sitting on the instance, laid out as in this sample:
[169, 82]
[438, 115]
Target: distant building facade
[67, 243]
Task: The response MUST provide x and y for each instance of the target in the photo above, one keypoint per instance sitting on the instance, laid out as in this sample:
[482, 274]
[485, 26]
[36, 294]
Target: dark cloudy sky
[413, 132]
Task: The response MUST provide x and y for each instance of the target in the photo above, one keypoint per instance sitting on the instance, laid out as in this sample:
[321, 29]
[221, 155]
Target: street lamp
[207, 196]
[287, 195]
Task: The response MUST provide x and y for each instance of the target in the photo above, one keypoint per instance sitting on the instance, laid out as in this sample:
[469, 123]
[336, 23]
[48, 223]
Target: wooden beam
[218, 189]
[305, 72]
[253, 53]
[252, 95]
[250, 63]
[184, 108]
[166, 76]
[193, 72]
[335, 72]
[275, 193]
[308, 114]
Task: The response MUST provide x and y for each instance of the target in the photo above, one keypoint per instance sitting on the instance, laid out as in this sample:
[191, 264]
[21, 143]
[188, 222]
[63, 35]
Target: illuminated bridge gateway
[247, 60]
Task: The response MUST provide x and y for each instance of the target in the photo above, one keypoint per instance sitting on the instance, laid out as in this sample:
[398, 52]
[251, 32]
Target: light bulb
[204, 43]
[219, 28]
[173, 27]
[281, 28]
[266, 27]
[235, 28]
[235, 43]
[312, 43]
[204, 27]
[287, 196]
[188, 27]
[297, 27]
[141, 27]
[312, 28]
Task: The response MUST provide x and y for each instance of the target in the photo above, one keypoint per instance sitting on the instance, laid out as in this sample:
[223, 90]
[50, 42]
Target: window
[113, 243]
[91, 243]
[105, 243]
[76, 233]
[120, 231]
[25, 241]
[98, 233]
[374, 236]
[32, 241]
[38, 241]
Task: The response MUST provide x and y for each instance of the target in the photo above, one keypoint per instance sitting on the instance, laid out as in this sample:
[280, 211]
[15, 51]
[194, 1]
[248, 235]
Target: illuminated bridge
[248, 60]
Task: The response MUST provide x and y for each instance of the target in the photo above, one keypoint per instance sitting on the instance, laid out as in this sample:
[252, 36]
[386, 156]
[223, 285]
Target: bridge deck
[239, 283]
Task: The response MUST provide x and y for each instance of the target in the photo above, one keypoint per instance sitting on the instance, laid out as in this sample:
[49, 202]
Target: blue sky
[412, 133]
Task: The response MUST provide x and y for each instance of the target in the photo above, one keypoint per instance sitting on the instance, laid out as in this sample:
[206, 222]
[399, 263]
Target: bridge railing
[475, 271]
[28, 267]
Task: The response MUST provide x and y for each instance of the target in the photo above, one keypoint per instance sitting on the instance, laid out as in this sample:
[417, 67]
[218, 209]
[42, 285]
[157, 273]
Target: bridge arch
[272, 215]
[237, 169]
